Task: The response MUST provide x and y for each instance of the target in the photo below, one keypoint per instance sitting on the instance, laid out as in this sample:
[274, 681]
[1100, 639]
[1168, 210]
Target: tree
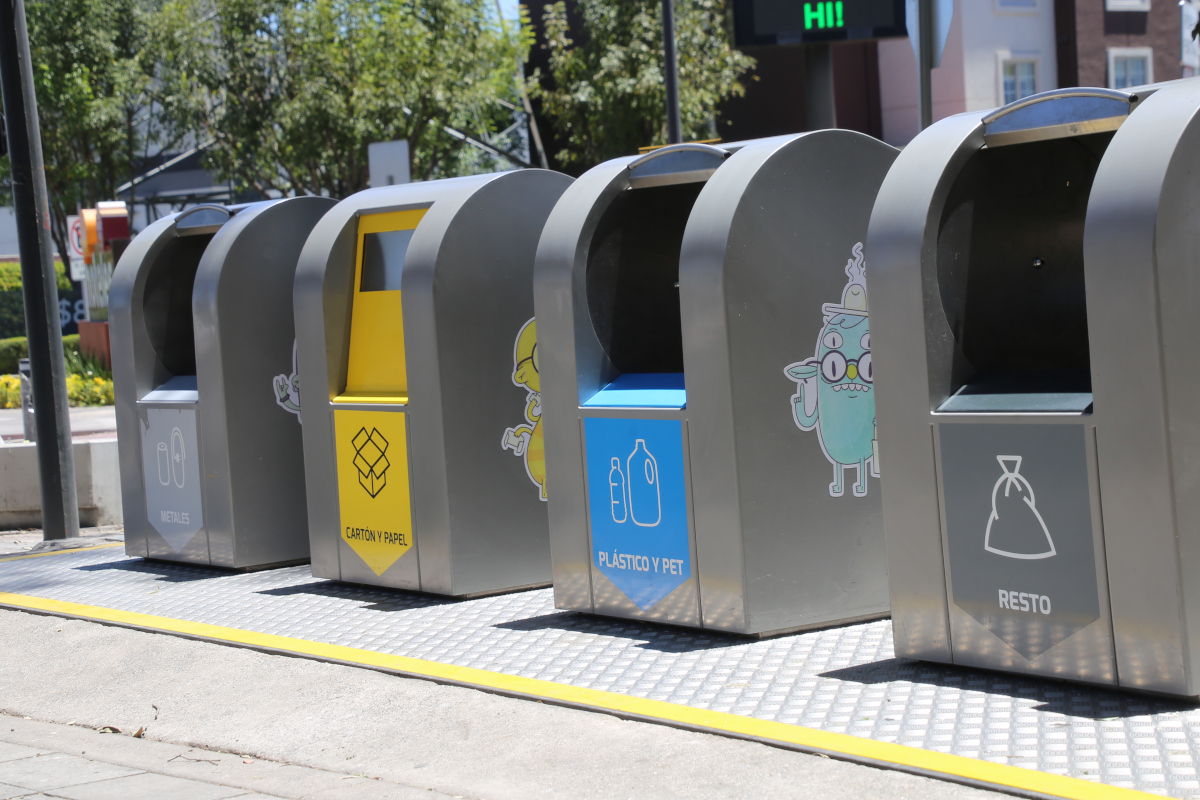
[92, 103]
[604, 94]
[287, 94]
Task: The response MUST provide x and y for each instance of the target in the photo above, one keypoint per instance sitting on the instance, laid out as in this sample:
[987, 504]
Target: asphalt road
[409, 734]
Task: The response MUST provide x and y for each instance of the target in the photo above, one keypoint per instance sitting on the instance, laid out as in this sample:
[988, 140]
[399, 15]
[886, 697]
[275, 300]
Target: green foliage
[91, 84]
[605, 94]
[17, 347]
[291, 91]
[10, 276]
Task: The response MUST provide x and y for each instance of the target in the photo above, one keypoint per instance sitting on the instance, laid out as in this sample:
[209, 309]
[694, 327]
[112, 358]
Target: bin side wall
[1140, 252]
[571, 361]
[245, 338]
[129, 349]
[914, 352]
[810, 555]
[483, 298]
[321, 305]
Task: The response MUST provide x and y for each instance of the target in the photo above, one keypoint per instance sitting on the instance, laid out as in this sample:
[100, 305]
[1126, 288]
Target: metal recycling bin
[203, 351]
[422, 421]
[1036, 407]
[706, 363]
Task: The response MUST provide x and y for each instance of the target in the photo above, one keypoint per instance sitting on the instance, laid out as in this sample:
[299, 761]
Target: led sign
[759, 22]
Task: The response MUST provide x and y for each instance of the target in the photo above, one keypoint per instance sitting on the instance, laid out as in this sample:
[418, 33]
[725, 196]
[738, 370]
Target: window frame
[1005, 57]
[1114, 53]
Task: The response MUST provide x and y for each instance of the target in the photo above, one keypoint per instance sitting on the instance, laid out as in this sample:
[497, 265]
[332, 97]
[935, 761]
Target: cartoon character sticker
[526, 440]
[287, 389]
[834, 388]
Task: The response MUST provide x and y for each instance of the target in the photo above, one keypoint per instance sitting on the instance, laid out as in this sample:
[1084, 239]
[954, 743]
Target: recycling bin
[203, 351]
[1037, 269]
[422, 422]
[707, 382]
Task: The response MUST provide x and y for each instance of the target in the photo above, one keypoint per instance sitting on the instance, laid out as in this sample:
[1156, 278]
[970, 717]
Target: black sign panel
[758, 22]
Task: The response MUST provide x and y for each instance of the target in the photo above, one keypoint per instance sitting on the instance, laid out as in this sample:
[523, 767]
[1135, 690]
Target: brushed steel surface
[478, 523]
[1137, 249]
[764, 249]
[242, 326]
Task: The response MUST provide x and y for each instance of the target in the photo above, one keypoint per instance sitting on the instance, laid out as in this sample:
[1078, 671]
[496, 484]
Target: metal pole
[56, 466]
[671, 74]
[820, 109]
[925, 61]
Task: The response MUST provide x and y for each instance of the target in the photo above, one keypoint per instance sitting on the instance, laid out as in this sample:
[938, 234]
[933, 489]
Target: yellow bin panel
[373, 489]
[376, 364]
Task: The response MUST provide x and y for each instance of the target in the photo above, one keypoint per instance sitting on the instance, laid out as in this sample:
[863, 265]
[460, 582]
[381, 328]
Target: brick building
[1121, 43]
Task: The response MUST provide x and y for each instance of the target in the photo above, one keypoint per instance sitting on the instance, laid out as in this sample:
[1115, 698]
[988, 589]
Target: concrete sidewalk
[43, 760]
[316, 725]
[86, 422]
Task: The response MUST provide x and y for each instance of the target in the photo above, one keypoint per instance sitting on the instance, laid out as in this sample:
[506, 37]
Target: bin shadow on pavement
[165, 570]
[1068, 699]
[388, 600]
[659, 638]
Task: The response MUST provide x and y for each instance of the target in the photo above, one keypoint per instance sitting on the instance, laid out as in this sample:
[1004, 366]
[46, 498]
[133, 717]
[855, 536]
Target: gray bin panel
[203, 331]
[766, 236]
[1036, 291]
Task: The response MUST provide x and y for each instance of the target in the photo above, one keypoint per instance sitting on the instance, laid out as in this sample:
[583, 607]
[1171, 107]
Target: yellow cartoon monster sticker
[526, 440]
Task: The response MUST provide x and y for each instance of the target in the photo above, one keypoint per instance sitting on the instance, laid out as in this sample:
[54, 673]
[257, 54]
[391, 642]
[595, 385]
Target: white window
[1018, 79]
[1126, 5]
[1130, 66]
[1026, 6]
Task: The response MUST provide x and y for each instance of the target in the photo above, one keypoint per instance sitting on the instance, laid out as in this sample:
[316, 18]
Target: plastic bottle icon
[164, 465]
[178, 456]
[616, 491]
[1015, 528]
[645, 499]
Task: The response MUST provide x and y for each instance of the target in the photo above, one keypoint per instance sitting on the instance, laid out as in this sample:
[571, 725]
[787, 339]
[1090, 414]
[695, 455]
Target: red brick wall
[1096, 30]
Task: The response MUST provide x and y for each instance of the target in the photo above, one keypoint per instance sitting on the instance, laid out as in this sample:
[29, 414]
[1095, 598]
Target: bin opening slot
[1010, 274]
[376, 369]
[632, 280]
[383, 260]
[642, 390]
[1059, 113]
[681, 163]
[167, 302]
[1043, 391]
[180, 389]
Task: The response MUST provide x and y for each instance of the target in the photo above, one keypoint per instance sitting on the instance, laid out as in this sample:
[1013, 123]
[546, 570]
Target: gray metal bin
[1036, 269]
[422, 421]
[203, 349]
[703, 469]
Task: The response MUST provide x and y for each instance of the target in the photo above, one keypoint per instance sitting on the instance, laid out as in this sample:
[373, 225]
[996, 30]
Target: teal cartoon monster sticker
[834, 393]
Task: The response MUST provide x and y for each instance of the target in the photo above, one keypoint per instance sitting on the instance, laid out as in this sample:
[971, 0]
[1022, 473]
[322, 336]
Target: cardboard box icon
[370, 460]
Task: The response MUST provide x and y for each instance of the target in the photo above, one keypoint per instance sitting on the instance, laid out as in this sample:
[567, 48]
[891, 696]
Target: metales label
[373, 491]
[171, 472]
[1019, 531]
[638, 506]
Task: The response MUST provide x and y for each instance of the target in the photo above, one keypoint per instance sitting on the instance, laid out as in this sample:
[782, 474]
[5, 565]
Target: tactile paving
[843, 679]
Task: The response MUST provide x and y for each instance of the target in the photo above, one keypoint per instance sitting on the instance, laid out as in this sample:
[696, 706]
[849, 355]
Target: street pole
[671, 74]
[820, 110]
[925, 61]
[56, 465]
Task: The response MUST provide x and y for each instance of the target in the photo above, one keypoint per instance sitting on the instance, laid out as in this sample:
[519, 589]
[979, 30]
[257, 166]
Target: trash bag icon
[1015, 528]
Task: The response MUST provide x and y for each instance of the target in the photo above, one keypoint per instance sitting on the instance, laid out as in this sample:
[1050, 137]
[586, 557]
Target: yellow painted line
[60, 552]
[840, 745]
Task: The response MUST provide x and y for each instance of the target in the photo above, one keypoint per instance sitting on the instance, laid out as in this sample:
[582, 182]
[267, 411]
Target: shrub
[94, 391]
[10, 391]
[17, 347]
